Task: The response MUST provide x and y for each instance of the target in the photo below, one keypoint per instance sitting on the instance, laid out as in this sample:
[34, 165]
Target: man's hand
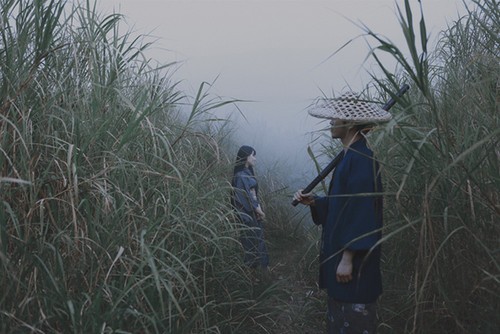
[344, 269]
[306, 199]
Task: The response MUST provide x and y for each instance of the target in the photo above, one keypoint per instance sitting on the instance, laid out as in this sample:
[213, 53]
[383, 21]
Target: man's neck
[350, 138]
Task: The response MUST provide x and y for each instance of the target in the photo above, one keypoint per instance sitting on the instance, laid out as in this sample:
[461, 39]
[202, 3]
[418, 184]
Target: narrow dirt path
[301, 302]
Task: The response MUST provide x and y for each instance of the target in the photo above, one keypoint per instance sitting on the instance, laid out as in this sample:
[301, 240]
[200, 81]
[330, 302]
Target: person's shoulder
[242, 173]
[361, 154]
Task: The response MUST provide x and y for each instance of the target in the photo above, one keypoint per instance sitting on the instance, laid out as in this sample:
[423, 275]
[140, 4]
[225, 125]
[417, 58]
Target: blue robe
[243, 183]
[252, 240]
[351, 217]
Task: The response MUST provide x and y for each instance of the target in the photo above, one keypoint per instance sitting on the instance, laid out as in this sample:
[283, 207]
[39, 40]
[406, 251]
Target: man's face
[339, 128]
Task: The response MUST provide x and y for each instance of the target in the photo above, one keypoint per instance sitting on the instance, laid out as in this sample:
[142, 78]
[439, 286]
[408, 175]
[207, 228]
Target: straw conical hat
[350, 107]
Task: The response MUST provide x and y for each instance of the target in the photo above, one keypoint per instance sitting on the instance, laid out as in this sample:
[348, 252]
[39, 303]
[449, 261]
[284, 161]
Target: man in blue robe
[351, 218]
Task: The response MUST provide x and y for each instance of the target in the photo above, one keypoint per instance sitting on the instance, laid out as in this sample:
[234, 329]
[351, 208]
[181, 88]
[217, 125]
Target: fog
[275, 55]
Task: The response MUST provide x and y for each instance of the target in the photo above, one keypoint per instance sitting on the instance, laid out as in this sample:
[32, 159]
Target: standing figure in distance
[245, 199]
[351, 218]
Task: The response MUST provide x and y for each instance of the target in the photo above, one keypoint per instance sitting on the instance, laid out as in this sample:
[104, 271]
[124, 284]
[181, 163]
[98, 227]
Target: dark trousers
[348, 318]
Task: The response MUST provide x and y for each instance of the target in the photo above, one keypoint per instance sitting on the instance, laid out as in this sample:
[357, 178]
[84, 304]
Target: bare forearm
[347, 256]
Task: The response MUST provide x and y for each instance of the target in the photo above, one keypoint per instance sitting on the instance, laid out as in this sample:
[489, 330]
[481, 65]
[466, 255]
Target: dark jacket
[351, 216]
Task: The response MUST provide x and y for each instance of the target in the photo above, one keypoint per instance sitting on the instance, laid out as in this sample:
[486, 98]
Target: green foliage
[441, 165]
[113, 188]
[113, 214]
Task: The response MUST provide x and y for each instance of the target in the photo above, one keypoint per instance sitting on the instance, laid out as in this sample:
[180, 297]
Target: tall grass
[113, 213]
[441, 165]
[113, 186]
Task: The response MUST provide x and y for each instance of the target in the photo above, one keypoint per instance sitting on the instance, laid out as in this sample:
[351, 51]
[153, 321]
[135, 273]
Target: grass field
[113, 188]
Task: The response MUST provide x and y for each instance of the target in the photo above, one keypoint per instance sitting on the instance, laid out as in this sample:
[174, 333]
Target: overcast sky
[273, 52]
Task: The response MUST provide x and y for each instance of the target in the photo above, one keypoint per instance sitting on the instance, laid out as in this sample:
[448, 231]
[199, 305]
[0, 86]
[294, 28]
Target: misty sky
[272, 52]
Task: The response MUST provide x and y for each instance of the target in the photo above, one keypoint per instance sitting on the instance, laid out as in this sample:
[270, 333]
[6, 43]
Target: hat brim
[349, 108]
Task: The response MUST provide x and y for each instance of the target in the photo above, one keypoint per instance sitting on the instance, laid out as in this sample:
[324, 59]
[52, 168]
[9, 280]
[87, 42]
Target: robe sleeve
[319, 210]
[361, 220]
